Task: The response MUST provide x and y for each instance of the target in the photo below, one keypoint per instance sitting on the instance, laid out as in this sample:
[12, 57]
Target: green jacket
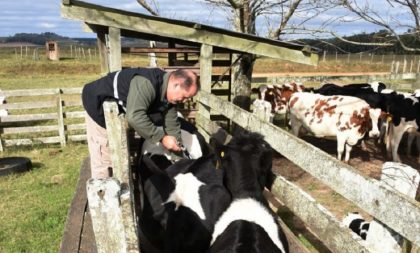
[140, 96]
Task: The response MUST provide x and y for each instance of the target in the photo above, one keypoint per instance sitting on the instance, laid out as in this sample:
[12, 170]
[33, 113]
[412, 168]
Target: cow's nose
[373, 134]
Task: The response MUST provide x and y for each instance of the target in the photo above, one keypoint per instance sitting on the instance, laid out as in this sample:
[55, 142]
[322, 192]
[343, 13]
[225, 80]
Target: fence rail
[44, 115]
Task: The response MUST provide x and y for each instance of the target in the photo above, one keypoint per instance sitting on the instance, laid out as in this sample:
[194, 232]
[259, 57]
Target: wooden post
[105, 210]
[116, 126]
[361, 53]
[171, 56]
[103, 51]
[114, 49]
[206, 58]
[325, 53]
[71, 51]
[152, 56]
[397, 67]
[404, 66]
[411, 66]
[21, 52]
[418, 66]
[61, 130]
[26, 51]
[392, 67]
[348, 57]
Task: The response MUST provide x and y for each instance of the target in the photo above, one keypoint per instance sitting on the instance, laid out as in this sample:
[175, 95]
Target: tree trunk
[242, 75]
[244, 21]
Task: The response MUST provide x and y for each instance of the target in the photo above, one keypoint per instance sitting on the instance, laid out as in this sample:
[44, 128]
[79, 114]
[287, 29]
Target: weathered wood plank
[28, 92]
[180, 30]
[60, 121]
[76, 127]
[34, 129]
[70, 242]
[29, 105]
[23, 142]
[103, 51]
[73, 103]
[397, 211]
[79, 137]
[206, 58]
[77, 114]
[114, 49]
[28, 117]
[71, 90]
[118, 142]
[104, 205]
[317, 218]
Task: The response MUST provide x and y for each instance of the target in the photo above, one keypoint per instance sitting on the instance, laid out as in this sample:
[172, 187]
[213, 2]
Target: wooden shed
[182, 37]
[52, 51]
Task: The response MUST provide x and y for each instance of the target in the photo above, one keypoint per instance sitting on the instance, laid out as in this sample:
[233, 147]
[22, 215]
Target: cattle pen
[113, 203]
[393, 209]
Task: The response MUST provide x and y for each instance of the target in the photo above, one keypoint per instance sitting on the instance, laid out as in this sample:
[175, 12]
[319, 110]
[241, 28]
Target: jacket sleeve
[172, 125]
[140, 96]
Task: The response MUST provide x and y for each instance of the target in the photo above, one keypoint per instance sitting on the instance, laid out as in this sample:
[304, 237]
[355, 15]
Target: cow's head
[367, 120]
[278, 96]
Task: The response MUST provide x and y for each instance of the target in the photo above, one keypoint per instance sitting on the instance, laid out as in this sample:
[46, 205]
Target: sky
[29, 16]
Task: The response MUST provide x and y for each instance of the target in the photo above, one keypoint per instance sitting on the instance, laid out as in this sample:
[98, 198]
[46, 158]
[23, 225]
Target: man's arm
[140, 96]
[172, 125]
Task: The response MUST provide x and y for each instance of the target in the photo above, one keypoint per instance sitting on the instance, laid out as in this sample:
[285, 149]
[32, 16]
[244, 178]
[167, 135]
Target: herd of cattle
[350, 113]
[213, 201]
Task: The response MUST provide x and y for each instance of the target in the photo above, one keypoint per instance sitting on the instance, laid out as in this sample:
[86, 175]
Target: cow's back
[328, 115]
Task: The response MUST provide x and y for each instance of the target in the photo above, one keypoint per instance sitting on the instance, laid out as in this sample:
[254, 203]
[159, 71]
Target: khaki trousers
[100, 155]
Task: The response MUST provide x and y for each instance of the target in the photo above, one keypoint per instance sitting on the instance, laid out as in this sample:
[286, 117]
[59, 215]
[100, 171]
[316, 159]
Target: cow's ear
[255, 90]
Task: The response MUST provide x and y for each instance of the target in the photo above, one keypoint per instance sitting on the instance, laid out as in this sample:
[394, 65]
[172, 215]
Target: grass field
[35, 204]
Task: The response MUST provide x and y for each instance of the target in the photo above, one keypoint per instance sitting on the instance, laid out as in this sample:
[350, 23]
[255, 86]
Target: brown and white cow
[277, 95]
[344, 117]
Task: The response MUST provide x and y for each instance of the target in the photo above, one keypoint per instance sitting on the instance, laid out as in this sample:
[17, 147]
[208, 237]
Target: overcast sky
[29, 16]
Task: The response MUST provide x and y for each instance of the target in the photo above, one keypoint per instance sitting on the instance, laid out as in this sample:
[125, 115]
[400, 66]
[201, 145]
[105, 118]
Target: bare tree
[281, 18]
[405, 22]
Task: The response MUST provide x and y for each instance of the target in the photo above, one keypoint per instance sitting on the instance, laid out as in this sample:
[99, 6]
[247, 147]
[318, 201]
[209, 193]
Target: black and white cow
[357, 224]
[405, 113]
[378, 238]
[181, 205]
[248, 225]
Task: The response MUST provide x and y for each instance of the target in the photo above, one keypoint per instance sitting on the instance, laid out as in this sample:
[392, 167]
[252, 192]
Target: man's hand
[170, 143]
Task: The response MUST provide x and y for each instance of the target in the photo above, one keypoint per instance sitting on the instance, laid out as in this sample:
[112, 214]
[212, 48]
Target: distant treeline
[330, 45]
[334, 44]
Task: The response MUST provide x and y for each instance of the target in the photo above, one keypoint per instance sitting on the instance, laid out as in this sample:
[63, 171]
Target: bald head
[182, 85]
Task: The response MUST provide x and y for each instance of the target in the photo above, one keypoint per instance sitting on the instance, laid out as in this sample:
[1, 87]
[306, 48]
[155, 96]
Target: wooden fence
[42, 116]
[399, 212]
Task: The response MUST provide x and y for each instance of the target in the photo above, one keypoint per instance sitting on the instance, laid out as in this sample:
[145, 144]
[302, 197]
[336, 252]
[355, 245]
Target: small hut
[52, 50]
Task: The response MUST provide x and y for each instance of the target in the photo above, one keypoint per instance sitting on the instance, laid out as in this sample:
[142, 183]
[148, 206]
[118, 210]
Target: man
[140, 93]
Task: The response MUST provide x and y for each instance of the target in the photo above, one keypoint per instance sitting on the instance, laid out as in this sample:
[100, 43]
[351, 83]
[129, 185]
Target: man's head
[182, 85]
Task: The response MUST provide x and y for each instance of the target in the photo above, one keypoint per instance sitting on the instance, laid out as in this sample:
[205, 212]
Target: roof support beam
[186, 31]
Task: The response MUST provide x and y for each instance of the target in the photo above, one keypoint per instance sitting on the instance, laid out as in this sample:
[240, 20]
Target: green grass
[34, 204]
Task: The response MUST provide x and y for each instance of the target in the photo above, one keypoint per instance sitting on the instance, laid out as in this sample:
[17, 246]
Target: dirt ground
[368, 162]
